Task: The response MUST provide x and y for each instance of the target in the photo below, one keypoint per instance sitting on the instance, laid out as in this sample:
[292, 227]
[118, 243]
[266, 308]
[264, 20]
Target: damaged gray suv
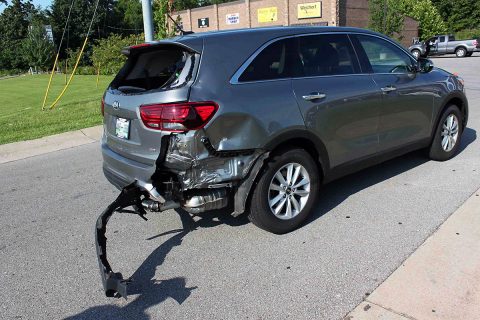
[260, 118]
[256, 120]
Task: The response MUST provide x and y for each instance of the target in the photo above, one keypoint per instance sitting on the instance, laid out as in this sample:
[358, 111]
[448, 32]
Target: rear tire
[282, 207]
[461, 52]
[447, 136]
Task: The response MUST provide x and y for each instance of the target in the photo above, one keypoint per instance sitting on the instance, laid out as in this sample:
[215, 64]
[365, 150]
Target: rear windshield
[160, 69]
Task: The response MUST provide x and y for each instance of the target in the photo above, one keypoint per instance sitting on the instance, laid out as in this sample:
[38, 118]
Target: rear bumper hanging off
[113, 283]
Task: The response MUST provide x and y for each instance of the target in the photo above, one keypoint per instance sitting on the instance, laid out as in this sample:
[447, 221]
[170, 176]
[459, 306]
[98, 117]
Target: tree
[385, 17]
[38, 50]
[14, 22]
[431, 23]
[131, 13]
[80, 17]
[459, 14]
[160, 10]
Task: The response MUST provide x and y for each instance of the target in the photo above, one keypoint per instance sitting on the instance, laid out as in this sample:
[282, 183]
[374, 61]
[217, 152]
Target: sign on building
[309, 10]
[203, 22]
[49, 32]
[267, 14]
[233, 18]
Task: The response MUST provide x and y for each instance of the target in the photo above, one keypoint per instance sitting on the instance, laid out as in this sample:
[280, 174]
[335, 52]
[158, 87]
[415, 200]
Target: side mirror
[424, 65]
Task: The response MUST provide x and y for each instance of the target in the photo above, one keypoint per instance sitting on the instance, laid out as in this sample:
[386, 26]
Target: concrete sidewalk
[25, 149]
[440, 280]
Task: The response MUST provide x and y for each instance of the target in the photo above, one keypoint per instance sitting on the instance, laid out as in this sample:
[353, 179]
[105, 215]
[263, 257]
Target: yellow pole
[71, 75]
[98, 73]
[50, 81]
[66, 70]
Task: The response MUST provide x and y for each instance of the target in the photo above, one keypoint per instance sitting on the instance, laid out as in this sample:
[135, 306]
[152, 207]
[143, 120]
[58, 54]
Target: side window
[271, 63]
[442, 39]
[322, 55]
[385, 57]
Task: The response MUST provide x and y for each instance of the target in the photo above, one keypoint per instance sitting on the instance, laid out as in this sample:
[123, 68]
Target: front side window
[385, 57]
[271, 63]
[325, 55]
[442, 39]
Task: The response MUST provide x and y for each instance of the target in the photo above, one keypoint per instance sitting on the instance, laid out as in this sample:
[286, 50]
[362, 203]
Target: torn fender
[198, 165]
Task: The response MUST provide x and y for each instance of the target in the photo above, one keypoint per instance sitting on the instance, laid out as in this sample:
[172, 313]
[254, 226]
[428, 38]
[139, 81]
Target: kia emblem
[116, 105]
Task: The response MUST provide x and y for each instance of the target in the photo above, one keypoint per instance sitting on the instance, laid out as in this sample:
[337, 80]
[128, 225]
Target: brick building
[263, 13]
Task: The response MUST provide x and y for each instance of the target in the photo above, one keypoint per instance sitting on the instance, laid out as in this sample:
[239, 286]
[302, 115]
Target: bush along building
[267, 13]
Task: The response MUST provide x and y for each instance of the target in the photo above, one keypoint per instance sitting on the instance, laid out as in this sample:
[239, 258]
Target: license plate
[122, 128]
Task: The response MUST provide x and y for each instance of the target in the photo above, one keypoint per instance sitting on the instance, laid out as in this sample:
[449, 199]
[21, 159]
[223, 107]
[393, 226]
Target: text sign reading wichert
[267, 14]
[309, 10]
[233, 18]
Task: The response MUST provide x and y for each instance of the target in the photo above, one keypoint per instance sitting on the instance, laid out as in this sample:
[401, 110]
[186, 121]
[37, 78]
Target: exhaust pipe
[207, 200]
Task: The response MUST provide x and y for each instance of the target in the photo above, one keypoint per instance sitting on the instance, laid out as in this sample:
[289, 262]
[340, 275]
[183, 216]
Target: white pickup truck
[445, 44]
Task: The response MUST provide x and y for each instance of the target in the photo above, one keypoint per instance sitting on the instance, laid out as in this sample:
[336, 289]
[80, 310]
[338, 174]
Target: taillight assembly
[475, 43]
[178, 117]
[103, 107]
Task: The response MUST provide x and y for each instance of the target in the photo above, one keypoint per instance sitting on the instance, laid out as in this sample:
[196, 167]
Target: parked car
[261, 118]
[445, 44]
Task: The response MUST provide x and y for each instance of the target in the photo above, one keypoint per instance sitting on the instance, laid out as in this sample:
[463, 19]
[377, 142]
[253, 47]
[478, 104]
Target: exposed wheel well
[461, 47]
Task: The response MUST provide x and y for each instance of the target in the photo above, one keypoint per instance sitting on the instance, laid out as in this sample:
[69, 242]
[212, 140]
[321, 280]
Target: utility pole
[147, 20]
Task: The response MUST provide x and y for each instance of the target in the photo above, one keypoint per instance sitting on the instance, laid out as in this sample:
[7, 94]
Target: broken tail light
[178, 117]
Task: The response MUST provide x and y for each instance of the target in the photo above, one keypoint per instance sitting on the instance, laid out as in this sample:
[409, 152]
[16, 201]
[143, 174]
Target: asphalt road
[218, 267]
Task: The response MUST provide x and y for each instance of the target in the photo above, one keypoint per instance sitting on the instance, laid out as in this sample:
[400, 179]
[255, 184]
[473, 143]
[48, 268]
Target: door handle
[314, 96]
[388, 89]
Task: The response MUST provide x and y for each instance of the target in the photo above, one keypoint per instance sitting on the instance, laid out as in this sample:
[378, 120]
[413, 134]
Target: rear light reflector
[103, 107]
[178, 117]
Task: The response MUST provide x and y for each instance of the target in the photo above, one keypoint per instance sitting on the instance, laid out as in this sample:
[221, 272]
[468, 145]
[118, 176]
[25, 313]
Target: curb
[440, 280]
[26, 149]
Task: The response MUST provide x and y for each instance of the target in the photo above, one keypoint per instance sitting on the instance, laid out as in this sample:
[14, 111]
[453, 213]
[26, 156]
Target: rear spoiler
[127, 51]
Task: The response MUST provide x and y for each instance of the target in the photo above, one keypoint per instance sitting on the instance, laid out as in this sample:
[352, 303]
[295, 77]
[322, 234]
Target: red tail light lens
[178, 117]
[475, 43]
[103, 107]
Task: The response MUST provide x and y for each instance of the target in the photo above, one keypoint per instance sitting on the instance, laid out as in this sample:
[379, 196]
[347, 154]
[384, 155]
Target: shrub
[107, 52]
[467, 34]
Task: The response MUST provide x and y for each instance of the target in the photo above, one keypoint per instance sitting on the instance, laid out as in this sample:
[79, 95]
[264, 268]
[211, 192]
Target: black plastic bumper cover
[113, 283]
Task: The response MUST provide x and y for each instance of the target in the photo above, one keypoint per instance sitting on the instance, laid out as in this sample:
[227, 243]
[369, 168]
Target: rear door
[338, 102]
[406, 111]
[151, 75]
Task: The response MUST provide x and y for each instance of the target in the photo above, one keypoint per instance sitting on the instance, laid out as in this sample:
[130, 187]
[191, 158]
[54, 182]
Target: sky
[43, 3]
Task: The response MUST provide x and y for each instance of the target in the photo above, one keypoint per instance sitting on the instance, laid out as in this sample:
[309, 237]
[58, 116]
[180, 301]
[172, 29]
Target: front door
[339, 103]
[407, 100]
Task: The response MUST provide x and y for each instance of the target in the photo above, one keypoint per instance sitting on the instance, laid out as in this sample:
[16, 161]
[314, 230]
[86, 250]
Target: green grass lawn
[21, 115]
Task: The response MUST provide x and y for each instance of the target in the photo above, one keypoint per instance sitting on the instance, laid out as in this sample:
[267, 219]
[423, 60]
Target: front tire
[416, 53]
[461, 52]
[448, 135]
[285, 192]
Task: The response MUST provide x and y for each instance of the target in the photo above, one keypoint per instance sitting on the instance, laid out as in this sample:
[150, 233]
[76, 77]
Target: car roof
[270, 31]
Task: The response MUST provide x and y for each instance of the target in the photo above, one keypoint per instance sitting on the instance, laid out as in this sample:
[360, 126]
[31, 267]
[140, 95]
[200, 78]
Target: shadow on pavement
[152, 291]
[337, 191]
[453, 56]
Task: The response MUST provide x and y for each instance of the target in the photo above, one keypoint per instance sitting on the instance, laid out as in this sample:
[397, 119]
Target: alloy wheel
[449, 132]
[289, 191]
